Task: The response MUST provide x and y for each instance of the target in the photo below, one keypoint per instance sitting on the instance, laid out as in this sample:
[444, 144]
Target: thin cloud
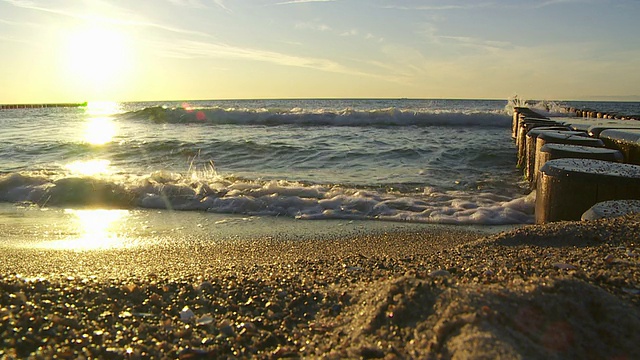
[313, 26]
[10, 39]
[190, 49]
[7, 22]
[556, 2]
[20, 3]
[473, 6]
[352, 32]
[198, 4]
[21, 23]
[438, 7]
[135, 20]
[301, 2]
[220, 4]
[477, 42]
[547, 3]
[188, 3]
[195, 49]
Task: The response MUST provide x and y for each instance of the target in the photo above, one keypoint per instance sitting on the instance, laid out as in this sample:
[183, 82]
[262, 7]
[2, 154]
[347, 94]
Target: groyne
[36, 106]
[575, 164]
[595, 114]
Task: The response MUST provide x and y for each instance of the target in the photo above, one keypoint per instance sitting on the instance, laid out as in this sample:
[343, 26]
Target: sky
[145, 50]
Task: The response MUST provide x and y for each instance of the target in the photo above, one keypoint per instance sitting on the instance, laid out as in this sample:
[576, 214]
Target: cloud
[195, 49]
[7, 22]
[301, 2]
[476, 5]
[20, 3]
[10, 39]
[198, 4]
[431, 33]
[555, 2]
[188, 3]
[312, 26]
[190, 49]
[124, 17]
[220, 4]
[341, 33]
[439, 7]
[476, 42]
[352, 32]
[21, 23]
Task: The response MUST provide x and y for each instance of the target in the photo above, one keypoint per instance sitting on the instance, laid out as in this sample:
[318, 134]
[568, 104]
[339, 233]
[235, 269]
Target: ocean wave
[213, 193]
[302, 117]
[547, 108]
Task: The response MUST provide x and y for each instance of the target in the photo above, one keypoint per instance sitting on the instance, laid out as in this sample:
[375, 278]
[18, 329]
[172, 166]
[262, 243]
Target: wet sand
[568, 290]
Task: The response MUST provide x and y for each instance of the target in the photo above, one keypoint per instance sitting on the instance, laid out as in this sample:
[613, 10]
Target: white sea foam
[543, 107]
[317, 117]
[272, 198]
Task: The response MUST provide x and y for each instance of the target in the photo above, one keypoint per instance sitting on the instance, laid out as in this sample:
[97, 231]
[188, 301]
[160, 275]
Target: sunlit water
[411, 161]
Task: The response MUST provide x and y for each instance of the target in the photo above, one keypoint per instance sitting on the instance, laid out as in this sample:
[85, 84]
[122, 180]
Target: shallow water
[99, 229]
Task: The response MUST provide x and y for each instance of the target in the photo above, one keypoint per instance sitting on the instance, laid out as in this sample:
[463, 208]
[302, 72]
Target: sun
[97, 57]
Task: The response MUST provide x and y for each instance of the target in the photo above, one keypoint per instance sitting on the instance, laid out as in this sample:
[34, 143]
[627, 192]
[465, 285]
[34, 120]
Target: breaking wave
[212, 193]
[303, 117]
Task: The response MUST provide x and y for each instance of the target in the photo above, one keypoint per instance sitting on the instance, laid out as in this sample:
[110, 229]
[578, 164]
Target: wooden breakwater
[37, 106]
[576, 168]
[595, 114]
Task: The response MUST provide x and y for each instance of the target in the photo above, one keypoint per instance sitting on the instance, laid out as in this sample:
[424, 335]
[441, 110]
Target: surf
[391, 116]
[230, 195]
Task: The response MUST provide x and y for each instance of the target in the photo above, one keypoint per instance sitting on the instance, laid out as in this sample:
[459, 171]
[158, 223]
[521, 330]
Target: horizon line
[624, 98]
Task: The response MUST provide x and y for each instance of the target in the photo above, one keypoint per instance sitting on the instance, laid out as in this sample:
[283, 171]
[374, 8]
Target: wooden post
[568, 187]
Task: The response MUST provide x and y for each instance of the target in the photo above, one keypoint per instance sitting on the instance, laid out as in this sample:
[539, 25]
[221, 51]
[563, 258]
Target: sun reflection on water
[100, 127]
[97, 229]
[99, 130]
[103, 108]
[89, 167]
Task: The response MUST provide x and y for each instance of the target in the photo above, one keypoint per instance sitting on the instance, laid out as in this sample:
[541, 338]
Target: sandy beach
[566, 290]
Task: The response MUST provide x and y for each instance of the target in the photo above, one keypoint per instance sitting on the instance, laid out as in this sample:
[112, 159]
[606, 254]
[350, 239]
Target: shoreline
[96, 229]
[563, 290]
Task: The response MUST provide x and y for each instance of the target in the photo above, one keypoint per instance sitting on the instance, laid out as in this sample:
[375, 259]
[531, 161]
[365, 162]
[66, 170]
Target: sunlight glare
[103, 108]
[97, 230]
[99, 130]
[89, 167]
[97, 56]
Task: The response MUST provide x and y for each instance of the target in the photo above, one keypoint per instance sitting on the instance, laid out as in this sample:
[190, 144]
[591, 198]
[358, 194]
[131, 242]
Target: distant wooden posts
[590, 113]
[37, 106]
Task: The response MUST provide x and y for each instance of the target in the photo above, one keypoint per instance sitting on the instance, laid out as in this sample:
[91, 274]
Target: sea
[407, 161]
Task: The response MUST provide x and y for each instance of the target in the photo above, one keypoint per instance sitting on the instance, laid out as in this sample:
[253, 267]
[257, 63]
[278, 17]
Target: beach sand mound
[539, 319]
[565, 290]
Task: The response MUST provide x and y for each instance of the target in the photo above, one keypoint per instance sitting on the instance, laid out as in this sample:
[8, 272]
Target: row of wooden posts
[572, 168]
[589, 113]
[36, 106]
